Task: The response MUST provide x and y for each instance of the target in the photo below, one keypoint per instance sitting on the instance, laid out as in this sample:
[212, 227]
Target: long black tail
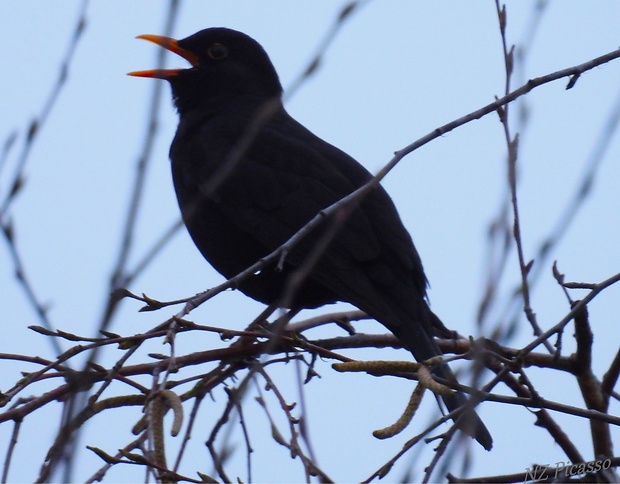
[469, 422]
[416, 338]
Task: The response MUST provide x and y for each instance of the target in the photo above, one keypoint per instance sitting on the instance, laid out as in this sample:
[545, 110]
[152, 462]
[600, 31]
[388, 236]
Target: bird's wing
[286, 177]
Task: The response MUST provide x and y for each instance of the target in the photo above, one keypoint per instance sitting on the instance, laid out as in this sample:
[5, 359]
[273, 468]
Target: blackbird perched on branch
[248, 176]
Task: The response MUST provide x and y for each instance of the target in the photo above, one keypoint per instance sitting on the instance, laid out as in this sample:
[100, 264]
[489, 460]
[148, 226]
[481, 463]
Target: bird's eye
[217, 51]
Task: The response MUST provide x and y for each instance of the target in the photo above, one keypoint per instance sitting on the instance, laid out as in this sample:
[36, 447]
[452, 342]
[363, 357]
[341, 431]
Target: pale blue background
[396, 71]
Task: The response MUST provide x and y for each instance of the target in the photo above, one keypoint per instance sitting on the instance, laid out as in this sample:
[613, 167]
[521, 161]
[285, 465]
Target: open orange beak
[173, 46]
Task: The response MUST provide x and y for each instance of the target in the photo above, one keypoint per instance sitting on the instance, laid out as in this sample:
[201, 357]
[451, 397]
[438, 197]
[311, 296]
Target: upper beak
[173, 46]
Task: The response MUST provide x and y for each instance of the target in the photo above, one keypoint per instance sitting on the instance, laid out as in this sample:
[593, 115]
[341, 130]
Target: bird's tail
[422, 345]
[468, 420]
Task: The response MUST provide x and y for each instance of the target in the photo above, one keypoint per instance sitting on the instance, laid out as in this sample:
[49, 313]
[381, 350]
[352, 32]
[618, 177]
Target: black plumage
[277, 176]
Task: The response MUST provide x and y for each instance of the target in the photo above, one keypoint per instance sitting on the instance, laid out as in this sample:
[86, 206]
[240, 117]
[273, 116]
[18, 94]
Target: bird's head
[225, 65]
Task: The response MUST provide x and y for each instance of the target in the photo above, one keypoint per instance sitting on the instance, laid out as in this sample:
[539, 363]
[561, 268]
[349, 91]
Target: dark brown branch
[581, 304]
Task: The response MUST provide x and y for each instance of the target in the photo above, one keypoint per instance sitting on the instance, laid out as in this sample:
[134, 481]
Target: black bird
[248, 176]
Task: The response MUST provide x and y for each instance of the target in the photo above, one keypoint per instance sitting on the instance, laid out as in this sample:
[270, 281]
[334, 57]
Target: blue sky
[395, 72]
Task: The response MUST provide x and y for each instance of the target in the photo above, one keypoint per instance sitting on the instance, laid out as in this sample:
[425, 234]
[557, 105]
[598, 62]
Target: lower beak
[173, 46]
